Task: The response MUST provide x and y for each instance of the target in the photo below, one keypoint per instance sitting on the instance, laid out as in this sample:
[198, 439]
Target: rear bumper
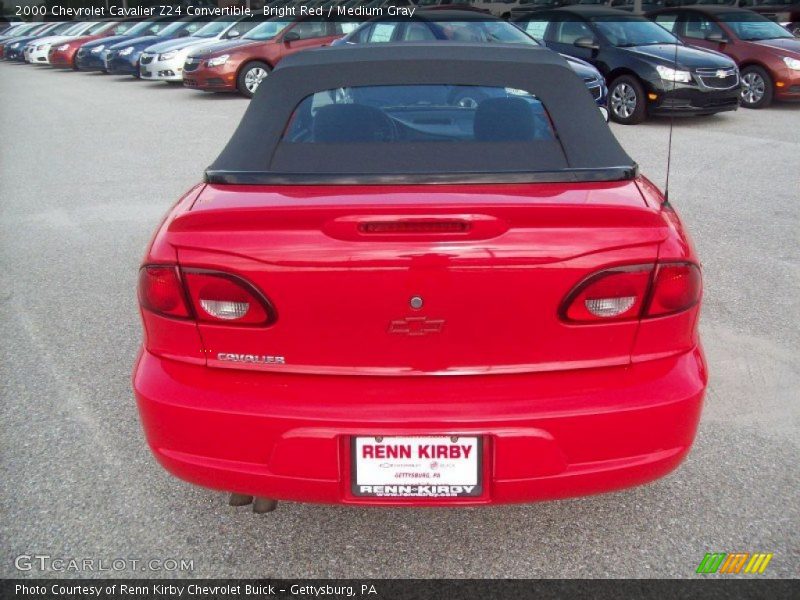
[546, 435]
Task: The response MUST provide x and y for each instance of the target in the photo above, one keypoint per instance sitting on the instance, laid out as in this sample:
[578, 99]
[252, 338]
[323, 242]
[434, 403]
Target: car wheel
[251, 76]
[756, 87]
[626, 100]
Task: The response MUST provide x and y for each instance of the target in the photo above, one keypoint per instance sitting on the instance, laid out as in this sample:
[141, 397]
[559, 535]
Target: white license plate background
[417, 467]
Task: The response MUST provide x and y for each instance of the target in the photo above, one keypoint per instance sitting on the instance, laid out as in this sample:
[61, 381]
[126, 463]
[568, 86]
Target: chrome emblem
[722, 73]
[416, 326]
[262, 359]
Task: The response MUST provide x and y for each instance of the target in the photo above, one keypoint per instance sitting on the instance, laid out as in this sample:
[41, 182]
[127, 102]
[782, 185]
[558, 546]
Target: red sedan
[63, 55]
[242, 64]
[767, 54]
[382, 296]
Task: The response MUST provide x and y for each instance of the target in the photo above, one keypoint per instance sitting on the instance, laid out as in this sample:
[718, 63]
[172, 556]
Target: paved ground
[89, 163]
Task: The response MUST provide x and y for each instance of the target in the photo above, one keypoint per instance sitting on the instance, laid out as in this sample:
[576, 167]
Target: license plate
[416, 467]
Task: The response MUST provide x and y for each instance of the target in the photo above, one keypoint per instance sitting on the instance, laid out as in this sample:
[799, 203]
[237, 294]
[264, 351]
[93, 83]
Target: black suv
[648, 70]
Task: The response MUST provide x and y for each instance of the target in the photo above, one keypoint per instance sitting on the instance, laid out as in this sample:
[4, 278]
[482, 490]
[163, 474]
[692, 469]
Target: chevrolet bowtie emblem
[416, 326]
[722, 74]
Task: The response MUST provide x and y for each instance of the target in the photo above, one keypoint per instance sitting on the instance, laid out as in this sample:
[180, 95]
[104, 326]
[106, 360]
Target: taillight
[632, 292]
[677, 287]
[160, 291]
[224, 298]
[610, 295]
[209, 296]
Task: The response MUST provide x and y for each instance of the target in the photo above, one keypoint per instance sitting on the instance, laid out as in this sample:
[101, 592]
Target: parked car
[91, 55]
[648, 70]
[14, 47]
[525, 329]
[768, 55]
[65, 55]
[458, 25]
[242, 64]
[17, 30]
[164, 61]
[122, 58]
[36, 51]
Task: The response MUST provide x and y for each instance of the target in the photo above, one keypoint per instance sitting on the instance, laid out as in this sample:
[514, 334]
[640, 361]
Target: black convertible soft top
[258, 154]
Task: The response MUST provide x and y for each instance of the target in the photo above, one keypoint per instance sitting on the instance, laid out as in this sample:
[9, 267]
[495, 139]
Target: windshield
[63, 28]
[485, 31]
[143, 28]
[172, 28]
[74, 29]
[97, 28]
[753, 26]
[212, 29]
[267, 30]
[27, 29]
[624, 32]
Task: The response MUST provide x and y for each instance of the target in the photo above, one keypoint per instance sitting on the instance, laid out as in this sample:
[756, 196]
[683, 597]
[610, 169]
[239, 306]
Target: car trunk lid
[409, 280]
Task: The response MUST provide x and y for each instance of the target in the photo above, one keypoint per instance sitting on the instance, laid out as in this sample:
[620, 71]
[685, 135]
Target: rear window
[414, 114]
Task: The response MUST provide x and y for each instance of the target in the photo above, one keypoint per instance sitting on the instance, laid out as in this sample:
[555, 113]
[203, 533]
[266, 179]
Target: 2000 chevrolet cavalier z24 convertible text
[382, 296]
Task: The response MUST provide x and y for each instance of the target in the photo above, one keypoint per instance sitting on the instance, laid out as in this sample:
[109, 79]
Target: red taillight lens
[610, 295]
[625, 293]
[160, 291]
[677, 287]
[223, 298]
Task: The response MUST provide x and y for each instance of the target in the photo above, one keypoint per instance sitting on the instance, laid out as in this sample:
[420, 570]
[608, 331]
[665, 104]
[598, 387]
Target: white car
[36, 51]
[164, 61]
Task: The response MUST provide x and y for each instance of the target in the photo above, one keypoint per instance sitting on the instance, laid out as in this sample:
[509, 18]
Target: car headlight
[668, 74]
[98, 49]
[792, 63]
[218, 60]
[63, 47]
[15, 45]
[167, 55]
[126, 51]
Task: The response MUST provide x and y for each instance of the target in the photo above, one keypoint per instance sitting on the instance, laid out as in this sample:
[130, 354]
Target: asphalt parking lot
[90, 163]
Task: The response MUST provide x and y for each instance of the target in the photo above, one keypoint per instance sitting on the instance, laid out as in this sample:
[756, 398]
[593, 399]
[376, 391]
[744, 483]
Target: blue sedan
[91, 56]
[123, 58]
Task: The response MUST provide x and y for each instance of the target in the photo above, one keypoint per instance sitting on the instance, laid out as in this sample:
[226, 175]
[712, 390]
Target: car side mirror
[717, 38]
[233, 34]
[586, 42]
[291, 36]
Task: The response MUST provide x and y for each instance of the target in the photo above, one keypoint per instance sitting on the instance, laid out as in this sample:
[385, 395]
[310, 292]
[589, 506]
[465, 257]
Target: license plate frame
[418, 487]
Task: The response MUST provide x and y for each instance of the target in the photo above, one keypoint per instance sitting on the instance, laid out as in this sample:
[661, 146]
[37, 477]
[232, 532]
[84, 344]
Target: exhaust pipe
[240, 500]
[264, 505]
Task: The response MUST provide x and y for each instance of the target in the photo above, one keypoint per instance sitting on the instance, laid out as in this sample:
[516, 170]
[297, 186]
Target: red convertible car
[381, 296]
